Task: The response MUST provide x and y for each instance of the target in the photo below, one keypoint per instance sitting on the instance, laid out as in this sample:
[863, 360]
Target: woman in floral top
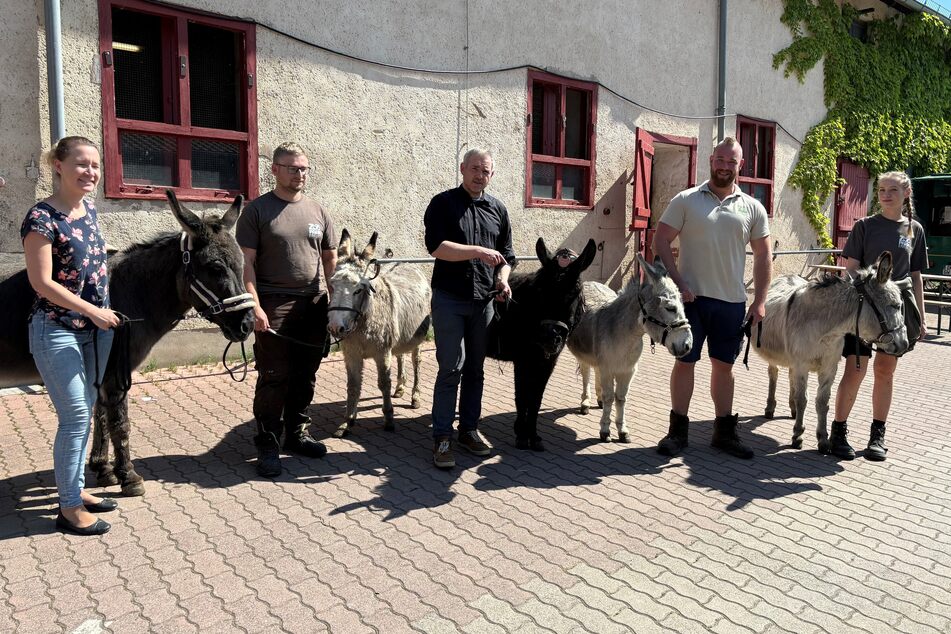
[71, 324]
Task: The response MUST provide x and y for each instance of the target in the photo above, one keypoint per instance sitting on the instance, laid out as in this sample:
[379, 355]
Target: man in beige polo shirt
[714, 221]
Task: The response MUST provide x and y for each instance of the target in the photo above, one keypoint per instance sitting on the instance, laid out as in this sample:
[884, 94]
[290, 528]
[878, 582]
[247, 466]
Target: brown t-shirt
[288, 238]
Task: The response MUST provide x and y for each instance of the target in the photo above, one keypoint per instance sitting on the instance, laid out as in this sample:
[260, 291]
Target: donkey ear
[649, 271]
[659, 266]
[883, 267]
[191, 223]
[345, 247]
[231, 216]
[586, 258]
[370, 249]
[544, 255]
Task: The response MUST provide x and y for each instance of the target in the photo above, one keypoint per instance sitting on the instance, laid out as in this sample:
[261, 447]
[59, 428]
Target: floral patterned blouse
[79, 260]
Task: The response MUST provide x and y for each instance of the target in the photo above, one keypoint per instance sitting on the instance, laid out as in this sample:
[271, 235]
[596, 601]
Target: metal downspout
[721, 71]
[54, 71]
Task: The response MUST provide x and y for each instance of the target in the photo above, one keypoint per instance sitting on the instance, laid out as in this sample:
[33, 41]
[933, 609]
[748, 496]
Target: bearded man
[714, 221]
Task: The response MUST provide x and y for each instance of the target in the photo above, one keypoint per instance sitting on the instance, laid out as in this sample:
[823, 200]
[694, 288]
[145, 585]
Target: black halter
[886, 336]
[367, 284]
[668, 328]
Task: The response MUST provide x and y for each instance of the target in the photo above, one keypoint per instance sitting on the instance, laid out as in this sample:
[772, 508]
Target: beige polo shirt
[713, 239]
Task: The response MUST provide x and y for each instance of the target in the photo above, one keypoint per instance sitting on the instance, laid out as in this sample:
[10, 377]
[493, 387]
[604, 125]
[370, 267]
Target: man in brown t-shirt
[285, 238]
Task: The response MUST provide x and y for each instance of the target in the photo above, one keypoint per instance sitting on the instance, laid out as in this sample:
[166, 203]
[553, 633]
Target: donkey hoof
[768, 414]
[107, 479]
[623, 437]
[824, 447]
[414, 404]
[133, 489]
[342, 431]
[600, 404]
[389, 426]
[398, 393]
[605, 436]
[584, 410]
[797, 444]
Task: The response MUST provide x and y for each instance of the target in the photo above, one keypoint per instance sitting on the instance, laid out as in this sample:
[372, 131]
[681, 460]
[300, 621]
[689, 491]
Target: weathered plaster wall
[385, 140]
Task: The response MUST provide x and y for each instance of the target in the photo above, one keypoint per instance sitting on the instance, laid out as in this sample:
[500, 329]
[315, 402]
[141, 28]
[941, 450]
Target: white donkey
[610, 338]
[376, 314]
[805, 326]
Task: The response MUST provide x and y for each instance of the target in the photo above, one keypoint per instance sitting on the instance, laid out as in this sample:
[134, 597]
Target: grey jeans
[460, 327]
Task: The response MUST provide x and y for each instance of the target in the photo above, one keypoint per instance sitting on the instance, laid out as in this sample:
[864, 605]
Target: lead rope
[858, 313]
[123, 364]
[748, 331]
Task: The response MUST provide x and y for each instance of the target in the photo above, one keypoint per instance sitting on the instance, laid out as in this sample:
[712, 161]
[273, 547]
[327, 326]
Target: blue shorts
[718, 322]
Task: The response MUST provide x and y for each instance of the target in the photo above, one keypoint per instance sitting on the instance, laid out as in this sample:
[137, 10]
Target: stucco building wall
[385, 140]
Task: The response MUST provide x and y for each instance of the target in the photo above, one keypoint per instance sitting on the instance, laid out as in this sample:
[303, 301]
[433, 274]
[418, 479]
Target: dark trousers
[287, 371]
[460, 327]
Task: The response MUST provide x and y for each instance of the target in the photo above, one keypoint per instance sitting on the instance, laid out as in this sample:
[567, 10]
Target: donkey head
[351, 286]
[212, 281]
[662, 308]
[558, 296]
[880, 319]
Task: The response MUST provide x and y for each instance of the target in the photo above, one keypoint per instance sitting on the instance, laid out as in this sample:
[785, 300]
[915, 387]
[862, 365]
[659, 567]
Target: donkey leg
[792, 399]
[400, 378]
[797, 393]
[826, 377]
[415, 403]
[623, 383]
[607, 391]
[383, 381]
[99, 458]
[117, 414]
[598, 392]
[585, 388]
[771, 398]
[354, 364]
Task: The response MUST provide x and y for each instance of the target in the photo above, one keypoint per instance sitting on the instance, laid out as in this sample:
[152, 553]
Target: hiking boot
[305, 445]
[726, 438]
[442, 454]
[676, 438]
[534, 443]
[839, 442]
[269, 457]
[297, 440]
[473, 443]
[876, 442]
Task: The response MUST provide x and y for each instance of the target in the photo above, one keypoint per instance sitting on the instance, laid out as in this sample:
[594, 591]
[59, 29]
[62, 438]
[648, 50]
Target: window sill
[557, 204]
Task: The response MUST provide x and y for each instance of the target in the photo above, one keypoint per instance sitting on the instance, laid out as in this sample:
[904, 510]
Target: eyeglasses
[566, 255]
[293, 169]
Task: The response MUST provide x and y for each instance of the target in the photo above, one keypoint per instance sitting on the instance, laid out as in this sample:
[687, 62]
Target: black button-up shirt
[455, 216]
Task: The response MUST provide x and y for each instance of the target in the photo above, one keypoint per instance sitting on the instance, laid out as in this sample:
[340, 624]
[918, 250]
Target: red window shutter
[851, 200]
[643, 162]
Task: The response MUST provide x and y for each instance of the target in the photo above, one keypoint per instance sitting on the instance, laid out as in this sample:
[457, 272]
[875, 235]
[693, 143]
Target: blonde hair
[908, 204]
[62, 150]
[287, 149]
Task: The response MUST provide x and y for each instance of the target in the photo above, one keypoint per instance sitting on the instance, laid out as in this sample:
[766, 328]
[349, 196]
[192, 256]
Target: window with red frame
[179, 106]
[758, 139]
[561, 142]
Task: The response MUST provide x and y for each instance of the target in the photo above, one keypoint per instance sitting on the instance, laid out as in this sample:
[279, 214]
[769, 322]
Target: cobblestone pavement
[588, 537]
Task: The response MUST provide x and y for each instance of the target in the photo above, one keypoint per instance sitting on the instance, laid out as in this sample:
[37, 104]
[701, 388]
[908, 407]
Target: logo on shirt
[315, 230]
[904, 242]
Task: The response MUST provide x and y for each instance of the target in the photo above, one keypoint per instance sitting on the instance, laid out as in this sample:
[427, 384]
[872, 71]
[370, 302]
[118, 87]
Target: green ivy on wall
[888, 99]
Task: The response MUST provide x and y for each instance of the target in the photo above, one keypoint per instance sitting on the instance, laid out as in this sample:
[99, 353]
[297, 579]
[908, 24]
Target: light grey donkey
[805, 326]
[610, 337]
[376, 313]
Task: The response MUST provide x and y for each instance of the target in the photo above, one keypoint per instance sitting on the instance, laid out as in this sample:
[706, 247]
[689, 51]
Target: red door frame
[641, 213]
[851, 200]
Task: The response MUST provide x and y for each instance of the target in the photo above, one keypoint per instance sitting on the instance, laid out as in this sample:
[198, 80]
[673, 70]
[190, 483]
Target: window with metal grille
[562, 115]
[758, 139]
[179, 105]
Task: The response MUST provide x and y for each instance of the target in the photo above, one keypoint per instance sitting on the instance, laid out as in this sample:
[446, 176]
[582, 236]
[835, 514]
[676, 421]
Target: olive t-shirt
[873, 235]
[289, 238]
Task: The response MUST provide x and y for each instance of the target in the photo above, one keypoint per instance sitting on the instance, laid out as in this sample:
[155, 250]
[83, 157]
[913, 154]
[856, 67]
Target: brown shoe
[472, 442]
[442, 453]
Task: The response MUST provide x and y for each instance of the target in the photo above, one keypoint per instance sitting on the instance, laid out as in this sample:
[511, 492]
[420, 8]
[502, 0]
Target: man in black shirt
[469, 234]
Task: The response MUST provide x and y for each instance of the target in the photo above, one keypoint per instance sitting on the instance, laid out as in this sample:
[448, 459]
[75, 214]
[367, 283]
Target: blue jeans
[460, 327]
[66, 360]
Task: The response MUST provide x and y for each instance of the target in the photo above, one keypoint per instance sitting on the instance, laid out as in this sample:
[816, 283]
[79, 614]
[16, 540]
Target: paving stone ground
[588, 537]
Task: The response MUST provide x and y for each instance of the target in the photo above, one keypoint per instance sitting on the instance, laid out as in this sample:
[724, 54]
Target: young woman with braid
[893, 229]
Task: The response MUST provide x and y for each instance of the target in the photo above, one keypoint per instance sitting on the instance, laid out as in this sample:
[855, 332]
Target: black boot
[839, 442]
[297, 440]
[725, 437]
[876, 442]
[269, 459]
[676, 438]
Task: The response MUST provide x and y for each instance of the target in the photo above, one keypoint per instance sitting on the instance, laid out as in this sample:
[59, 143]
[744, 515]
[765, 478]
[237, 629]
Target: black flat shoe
[99, 528]
[102, 506]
